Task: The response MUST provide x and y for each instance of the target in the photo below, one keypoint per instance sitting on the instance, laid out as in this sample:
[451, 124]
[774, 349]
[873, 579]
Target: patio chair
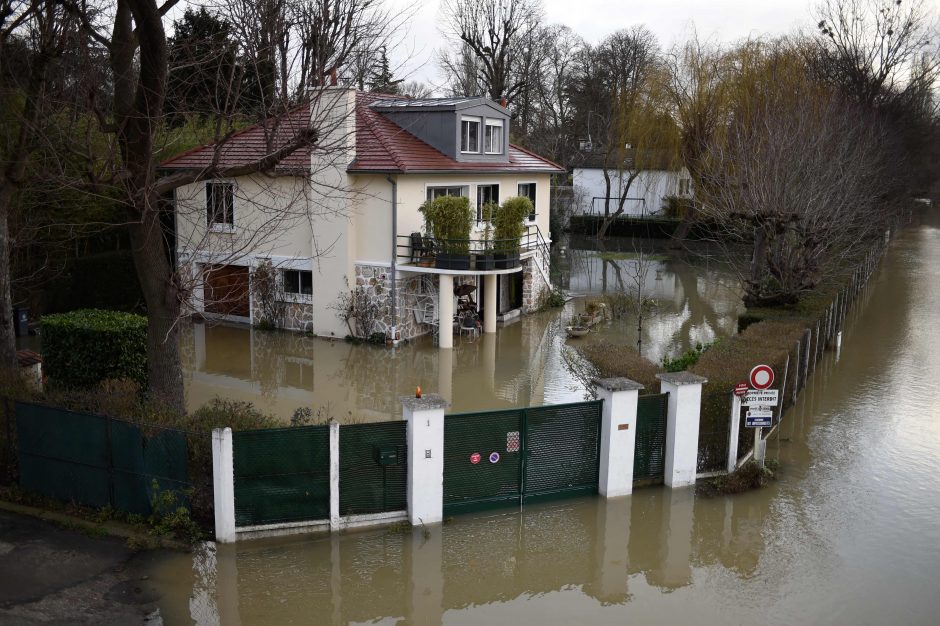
[468, 324]
[418, 250]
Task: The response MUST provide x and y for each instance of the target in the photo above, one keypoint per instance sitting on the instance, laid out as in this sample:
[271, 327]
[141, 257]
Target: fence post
[334, 475]
[682, 422]
[223, 484]
[734, 432]
[425, 417]
[618, 435]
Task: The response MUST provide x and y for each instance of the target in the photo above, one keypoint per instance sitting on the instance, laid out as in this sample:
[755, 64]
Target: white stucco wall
[645, 195]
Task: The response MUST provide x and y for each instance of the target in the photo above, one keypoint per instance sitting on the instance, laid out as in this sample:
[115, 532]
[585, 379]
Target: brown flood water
[521, 365]
[850, 534]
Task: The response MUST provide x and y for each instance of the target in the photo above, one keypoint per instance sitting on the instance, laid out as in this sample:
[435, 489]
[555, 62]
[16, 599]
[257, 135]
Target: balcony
[421, 253]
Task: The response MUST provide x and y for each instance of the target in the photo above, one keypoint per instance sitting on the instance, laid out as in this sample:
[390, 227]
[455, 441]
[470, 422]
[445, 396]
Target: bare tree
[497, 33]
[798, 175]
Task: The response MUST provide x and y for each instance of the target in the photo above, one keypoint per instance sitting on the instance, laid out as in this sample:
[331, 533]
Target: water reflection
[607, 553]
[521, 365]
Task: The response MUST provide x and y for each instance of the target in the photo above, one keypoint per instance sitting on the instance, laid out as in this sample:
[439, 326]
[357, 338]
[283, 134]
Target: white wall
[645, 195]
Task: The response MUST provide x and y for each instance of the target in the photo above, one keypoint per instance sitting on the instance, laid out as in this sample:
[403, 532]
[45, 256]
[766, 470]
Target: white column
[425, 417]
[334, 475]
[223, 484]
[445, 306]
[618, 435]
[685, 403]
[489, 303]
[734, 431]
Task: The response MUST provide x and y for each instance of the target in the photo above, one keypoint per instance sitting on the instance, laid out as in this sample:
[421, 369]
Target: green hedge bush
[84, 347]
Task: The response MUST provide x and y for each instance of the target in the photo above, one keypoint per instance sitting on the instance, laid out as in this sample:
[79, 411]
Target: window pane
[291, 281]
[494, 139]
[527, 190]
[306, 283]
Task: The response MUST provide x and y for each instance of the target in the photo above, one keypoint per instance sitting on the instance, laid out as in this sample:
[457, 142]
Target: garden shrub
[85, 347]
[687, 359]
[612, 360]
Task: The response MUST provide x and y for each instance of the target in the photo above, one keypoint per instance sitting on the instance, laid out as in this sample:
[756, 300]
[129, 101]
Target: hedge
[84, 347]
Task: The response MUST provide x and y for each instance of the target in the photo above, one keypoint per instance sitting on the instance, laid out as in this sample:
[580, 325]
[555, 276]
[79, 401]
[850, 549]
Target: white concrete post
[334, 475]
[618, 435]
[445, 308]
[733, 433]
[425, 417]
[682, 422]
[223, 484]
[489, 303]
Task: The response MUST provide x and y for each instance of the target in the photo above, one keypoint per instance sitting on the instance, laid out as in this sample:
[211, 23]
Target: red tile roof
[381, 147]
[253, 144]
[384, 146]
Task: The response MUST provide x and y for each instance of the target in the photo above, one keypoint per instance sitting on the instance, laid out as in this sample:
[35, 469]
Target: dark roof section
[252, 144]
[653, 159]
[434, 104]
[382, 146]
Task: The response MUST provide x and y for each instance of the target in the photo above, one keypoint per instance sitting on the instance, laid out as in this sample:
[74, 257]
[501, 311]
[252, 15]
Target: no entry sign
[762, 377]
[740, 389]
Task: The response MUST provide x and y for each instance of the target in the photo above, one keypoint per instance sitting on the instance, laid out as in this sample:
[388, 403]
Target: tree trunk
[162, 296]
[7, 336]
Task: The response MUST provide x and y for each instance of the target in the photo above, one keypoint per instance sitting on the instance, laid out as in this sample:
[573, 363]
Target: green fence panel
[281, 475]
[650, 453]
[63, 454]
[562, 444]
[373, 468]
[141, 459]
[98, 461]
[482, 460]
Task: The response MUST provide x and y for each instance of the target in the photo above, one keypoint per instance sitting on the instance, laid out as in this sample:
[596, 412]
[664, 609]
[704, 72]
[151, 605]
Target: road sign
[740, 389]
[494, 458]
[759, 418]
[762, 377]
[766, 397]
[475, 458]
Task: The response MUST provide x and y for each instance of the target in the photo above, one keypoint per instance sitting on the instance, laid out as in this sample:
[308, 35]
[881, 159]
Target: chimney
[503, 102]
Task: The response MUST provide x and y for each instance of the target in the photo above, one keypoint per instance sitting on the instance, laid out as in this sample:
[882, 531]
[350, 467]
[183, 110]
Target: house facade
[338, 224]
[643, 196]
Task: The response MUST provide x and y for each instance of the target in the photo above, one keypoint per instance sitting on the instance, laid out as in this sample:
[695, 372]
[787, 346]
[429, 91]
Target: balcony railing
[465, 254]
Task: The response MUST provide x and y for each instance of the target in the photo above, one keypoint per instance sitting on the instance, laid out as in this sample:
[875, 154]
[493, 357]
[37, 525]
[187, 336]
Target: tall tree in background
[497, 33]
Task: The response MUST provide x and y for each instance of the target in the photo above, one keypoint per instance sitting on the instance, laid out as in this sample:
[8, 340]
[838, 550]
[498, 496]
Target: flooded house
[335, 225]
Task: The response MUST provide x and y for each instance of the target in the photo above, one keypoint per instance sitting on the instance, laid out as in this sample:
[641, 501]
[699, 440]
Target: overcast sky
[670, 20]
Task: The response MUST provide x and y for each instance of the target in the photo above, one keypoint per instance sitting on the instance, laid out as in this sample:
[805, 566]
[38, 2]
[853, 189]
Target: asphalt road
[52, 575]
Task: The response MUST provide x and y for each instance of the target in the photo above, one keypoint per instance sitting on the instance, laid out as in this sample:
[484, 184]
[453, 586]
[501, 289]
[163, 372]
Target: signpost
[740, 389]
[762, 377]
[759, 418]
[759, 400]
[767, 397]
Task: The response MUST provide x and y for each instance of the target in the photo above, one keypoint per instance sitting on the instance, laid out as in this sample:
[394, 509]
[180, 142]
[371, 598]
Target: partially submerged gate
[649, 461]
[510, 457]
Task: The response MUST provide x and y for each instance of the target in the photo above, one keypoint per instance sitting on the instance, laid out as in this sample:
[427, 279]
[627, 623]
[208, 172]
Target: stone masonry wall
[533, 284]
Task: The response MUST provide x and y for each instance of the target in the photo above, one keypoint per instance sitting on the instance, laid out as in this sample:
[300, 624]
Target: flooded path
[521, 365]
[850, 534]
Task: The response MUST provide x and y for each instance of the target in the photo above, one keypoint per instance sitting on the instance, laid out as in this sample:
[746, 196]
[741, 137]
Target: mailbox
[387, 455]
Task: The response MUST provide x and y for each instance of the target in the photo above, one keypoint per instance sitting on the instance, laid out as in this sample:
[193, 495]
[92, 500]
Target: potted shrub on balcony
[485, 258]
[508, 229]
[448, 220]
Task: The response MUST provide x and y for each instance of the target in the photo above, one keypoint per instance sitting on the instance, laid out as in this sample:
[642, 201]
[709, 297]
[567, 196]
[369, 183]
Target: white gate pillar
[425, 417]
[618, 435]
[223, 484]
[682, 424]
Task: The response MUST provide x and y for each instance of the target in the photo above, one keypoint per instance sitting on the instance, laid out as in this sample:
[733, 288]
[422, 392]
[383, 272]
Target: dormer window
[469, 134]
[493, 137]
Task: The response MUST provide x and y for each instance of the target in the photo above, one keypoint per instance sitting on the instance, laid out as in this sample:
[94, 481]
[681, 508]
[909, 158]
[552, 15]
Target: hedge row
[84, 347]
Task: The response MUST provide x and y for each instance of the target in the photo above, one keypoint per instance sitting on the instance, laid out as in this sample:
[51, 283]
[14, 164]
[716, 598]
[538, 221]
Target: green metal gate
[510, 457]
[373, 468]
[649, 462]
[281, 475]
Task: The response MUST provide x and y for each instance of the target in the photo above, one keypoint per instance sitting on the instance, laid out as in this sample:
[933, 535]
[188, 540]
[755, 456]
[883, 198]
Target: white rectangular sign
[767, 397]
[759, 418]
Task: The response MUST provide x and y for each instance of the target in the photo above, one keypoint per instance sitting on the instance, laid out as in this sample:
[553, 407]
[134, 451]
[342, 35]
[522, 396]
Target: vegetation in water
[749, 476]
[687, 359]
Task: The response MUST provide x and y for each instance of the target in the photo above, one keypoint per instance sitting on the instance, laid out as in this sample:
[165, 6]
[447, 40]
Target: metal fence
[649, 461]
[714, 432]
[373, 468]
[96, 460]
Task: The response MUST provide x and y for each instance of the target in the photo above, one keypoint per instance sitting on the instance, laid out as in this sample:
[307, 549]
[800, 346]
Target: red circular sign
[740, 389]
[475, 458]
[762, 377]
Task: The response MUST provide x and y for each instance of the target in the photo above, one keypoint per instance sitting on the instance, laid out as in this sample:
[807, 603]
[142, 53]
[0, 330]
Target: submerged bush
[85, 347]
[749, 476]
[687, 359]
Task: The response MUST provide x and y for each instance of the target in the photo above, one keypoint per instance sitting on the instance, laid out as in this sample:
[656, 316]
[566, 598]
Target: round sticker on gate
[494, 458]
[475, 458]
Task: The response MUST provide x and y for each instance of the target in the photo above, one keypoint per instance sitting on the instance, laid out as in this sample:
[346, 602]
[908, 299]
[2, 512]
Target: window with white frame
[298, 282]
[527, 190]
[220, 206]
[485, 195]
[493, 137]
[453, 190]
[470, 134]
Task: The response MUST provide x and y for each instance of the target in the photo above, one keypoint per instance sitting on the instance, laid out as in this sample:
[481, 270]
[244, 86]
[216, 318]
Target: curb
[110, 528]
